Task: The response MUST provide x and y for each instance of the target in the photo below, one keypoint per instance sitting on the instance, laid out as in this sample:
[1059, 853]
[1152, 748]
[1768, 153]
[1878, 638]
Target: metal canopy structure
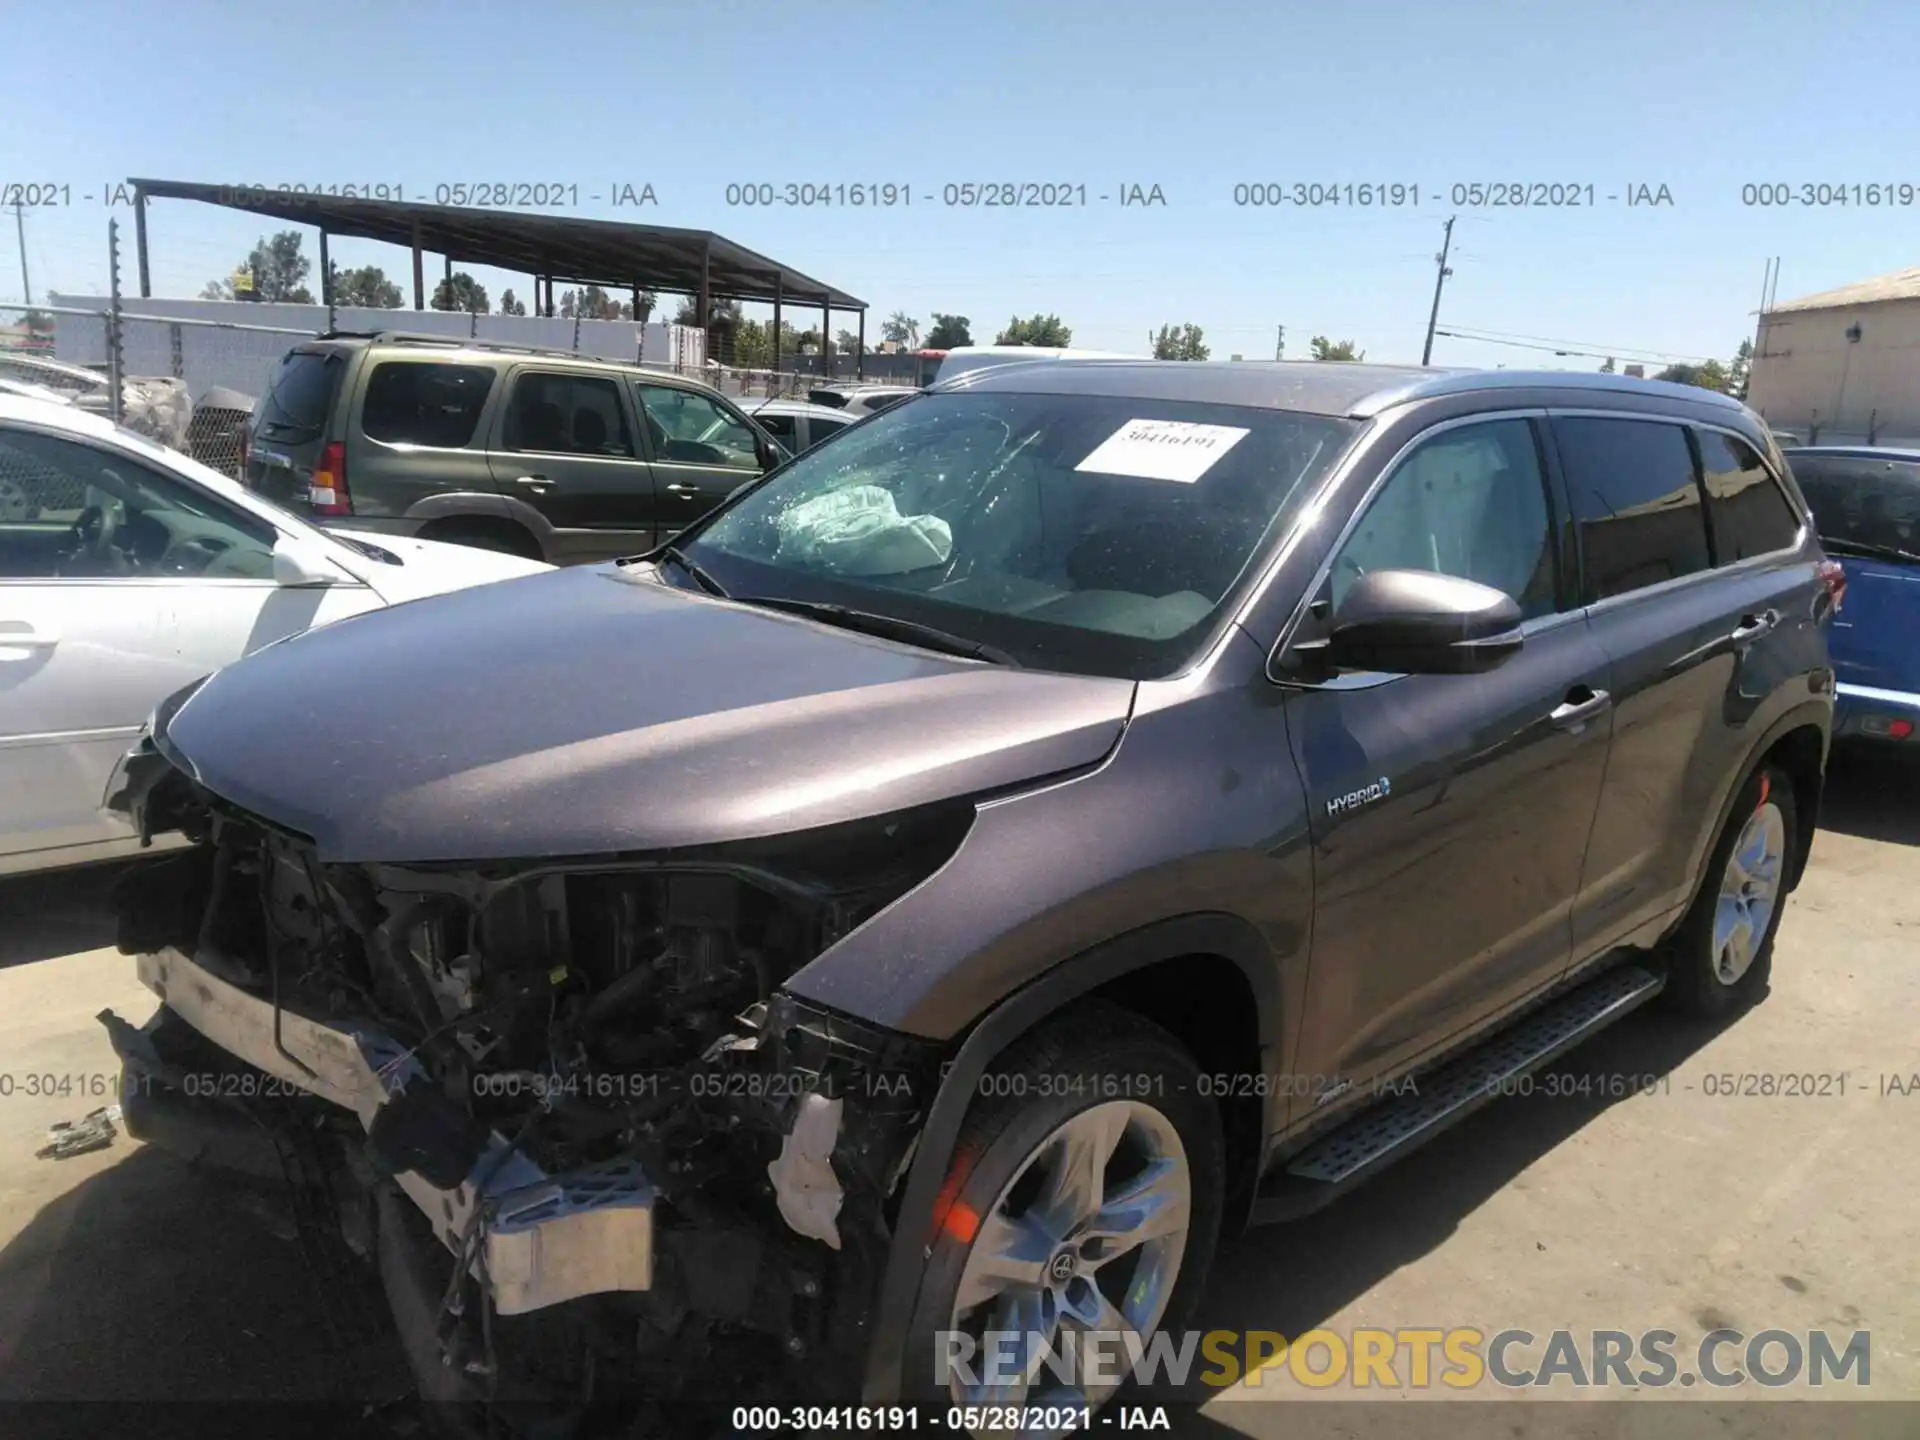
[610, 253]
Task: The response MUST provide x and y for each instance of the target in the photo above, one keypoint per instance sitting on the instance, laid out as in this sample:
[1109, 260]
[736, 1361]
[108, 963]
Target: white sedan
[128, 570]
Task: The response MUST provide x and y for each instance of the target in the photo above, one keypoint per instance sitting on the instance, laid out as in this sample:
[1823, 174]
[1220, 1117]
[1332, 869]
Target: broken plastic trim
[543, 1238]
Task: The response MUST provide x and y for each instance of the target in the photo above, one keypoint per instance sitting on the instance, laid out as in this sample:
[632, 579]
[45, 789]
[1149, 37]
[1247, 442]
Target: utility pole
[20, 228]
[1439, 280]
[115, 359]
[1279, 340]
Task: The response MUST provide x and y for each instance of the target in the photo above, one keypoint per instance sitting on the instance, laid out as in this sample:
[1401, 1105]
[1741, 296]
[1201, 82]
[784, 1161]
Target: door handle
[1752, 627]
[692, 492]
[1573, 712]
[537, 481]
[27, 640]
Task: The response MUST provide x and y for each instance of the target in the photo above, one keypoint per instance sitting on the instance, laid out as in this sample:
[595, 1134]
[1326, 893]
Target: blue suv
[1866, 504]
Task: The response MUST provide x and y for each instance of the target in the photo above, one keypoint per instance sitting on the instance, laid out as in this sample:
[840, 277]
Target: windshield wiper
[1870, 550]
[888, 627]
[700, 577]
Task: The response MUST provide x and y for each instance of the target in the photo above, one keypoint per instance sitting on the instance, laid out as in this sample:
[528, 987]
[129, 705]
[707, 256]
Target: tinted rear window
[1750, 513]
[1862, 501]
[1635, 499]
[301, 391]
[414, 403]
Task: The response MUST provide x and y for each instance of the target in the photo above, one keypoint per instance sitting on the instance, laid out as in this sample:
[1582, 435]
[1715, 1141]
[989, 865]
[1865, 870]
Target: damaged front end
[604, 1163]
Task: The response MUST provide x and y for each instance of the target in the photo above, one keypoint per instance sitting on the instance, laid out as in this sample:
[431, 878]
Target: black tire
[1068, 1065]
[504, 538]
[1694, 983]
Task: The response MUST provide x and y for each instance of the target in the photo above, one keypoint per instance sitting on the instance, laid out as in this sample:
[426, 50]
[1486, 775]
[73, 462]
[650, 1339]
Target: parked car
[127, 570]
[28, 390]
[860, 400]
[157, 406]
[1866, 505]
[551, 455]
[949, 887]
[798, 424]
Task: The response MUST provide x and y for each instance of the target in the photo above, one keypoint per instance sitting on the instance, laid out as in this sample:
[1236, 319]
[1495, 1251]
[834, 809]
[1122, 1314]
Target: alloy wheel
[1749, 890]
[1087, 1237]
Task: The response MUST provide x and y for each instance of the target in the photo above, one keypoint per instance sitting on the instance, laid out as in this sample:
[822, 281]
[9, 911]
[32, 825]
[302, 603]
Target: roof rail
[463, 342]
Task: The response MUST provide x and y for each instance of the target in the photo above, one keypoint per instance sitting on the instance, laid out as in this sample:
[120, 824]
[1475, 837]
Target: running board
[1385, 1131]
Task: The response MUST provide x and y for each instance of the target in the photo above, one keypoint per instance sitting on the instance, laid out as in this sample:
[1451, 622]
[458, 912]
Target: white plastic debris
[860, 531]
[803, 1180]
[68, 1138]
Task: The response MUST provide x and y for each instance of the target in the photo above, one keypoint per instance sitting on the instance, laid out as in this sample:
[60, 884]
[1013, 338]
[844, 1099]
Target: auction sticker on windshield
[1162, 450]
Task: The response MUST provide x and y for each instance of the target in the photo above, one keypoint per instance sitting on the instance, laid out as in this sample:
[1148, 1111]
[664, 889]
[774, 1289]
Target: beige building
[1843, 366]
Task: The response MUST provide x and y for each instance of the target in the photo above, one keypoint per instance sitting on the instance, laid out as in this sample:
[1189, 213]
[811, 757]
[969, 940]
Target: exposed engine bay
[608, 1171]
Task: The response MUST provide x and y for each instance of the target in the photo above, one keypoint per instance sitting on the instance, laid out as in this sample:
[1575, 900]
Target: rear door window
[412, 402]
[1749, 512]
[301, 393]
[556, 414]
[1635, 500]
[1862, 503]
[783, 428]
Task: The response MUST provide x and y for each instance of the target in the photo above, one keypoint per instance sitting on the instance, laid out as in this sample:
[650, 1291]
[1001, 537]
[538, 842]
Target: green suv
[549, 454]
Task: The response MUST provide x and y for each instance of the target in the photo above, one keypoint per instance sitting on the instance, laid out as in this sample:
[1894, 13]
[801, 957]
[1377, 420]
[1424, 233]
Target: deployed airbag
[859, 531]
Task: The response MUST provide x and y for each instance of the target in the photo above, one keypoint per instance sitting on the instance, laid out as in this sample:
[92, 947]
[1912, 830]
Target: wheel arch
[1799, 740]
[440, 515]
[1161, 971]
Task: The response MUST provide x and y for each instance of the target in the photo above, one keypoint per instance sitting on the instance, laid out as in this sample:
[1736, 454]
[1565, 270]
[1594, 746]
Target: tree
[720, 314]
[460, 292]
[949, 332]
[1708, 375]
[593, 303]
[846, 343]
[367, 287]
[1607, 369]
[1741, 372]
[1182, 344]
[1324, 349]
[277, 268]
[510, 305]
[753, 343]
[648, 303]
[900, 328]
[38, 322]
[1039, 330]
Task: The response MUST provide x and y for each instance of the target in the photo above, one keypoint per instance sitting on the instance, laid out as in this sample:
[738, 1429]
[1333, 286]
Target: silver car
[128, 570]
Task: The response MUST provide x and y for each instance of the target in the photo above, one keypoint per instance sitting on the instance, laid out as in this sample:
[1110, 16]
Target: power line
[1548, 342]
[1635, 356]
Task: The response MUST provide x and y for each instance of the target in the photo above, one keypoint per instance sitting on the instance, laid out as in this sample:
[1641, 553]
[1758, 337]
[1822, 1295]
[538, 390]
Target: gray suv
[884, 939]
[552, 455]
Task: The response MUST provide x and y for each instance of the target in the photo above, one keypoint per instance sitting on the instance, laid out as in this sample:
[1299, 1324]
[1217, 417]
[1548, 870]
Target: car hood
[427, 567]
[593, 710]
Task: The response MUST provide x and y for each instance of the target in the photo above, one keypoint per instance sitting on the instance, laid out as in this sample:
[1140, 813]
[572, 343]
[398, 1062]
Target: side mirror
[298, 562]
[1415, 622]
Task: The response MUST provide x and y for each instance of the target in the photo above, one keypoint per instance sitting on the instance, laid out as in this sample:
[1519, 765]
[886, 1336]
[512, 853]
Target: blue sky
[1698, 96]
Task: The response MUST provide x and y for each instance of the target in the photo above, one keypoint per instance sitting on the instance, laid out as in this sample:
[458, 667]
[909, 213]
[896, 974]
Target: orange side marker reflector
[1766, 784]
[961, 1222]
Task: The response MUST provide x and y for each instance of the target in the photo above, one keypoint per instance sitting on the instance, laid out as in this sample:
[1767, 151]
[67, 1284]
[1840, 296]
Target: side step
[1385, 1131]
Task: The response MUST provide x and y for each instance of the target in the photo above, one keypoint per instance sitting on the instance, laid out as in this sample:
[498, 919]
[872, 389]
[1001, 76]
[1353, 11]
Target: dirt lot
[123, 1277]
